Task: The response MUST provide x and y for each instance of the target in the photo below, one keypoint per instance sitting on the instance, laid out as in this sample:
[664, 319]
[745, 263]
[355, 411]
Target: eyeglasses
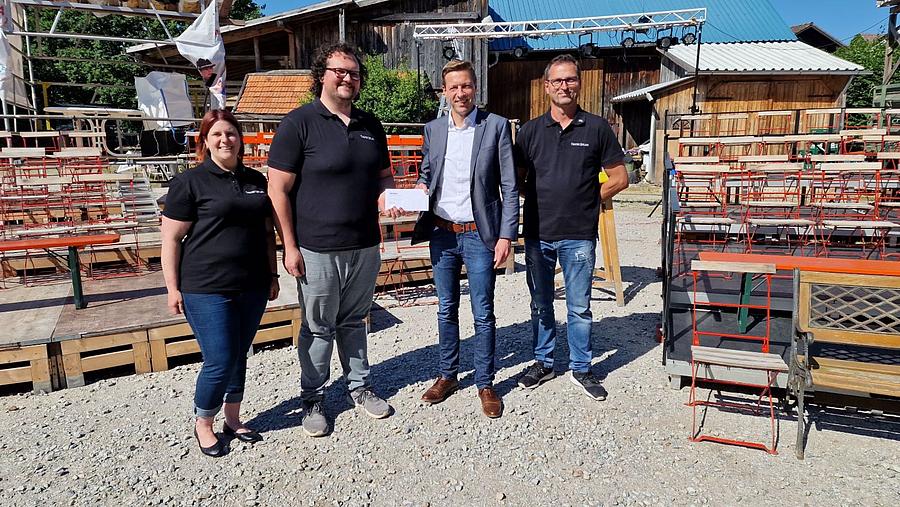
[557, 83]
[342, 73]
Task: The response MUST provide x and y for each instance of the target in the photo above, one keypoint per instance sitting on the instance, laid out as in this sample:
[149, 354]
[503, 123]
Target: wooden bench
[72, 244]
[844, 309]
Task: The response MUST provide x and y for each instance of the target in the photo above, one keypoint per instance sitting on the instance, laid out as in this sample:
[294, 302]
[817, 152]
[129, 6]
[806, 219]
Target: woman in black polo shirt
[218, 259]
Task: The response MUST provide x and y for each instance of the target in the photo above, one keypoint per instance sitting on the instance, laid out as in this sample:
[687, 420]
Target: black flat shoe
[216, 450]
[249, 436]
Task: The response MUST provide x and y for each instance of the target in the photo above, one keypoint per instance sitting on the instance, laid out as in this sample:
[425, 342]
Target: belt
[453, 226]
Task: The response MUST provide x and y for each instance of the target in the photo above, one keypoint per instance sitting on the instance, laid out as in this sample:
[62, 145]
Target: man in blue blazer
[469, 174]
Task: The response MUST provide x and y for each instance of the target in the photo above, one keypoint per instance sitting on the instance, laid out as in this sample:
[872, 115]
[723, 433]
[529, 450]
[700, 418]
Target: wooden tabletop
[821, 264]
[65, 241]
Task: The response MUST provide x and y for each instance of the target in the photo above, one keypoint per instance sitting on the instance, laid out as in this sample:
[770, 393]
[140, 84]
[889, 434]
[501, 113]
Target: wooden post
[256, 56]
[611, 274]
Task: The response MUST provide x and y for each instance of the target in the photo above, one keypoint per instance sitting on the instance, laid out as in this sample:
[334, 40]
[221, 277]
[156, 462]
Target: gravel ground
[128, 440]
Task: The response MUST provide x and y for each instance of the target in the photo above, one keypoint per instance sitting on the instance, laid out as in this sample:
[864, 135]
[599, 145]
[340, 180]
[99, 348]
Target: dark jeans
[449, 251]
[224, 325]
[576, 257]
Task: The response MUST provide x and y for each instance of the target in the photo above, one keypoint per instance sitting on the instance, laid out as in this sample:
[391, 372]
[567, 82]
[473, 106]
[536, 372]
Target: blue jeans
[224, 325]
[576, 257]
[449, 251]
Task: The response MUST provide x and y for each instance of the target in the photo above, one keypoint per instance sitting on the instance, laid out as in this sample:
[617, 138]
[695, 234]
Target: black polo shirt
[335, 196]
[562, 190]
[225, 249]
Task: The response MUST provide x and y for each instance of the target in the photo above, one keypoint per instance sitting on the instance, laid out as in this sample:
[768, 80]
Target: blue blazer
[494, 191]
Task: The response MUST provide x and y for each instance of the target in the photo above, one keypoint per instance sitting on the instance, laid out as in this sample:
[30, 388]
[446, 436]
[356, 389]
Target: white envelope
[407, 199]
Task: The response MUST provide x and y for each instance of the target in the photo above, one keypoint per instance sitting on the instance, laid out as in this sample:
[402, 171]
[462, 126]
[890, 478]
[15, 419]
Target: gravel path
[127, 441]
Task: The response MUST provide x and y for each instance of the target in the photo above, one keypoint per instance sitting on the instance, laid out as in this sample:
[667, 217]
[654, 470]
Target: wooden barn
[288, 40]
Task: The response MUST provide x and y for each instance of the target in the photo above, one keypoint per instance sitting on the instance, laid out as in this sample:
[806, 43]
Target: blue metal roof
[727, 20]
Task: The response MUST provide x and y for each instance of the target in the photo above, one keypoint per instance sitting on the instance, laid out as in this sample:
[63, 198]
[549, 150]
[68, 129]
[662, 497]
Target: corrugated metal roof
[642, 92]
[761, 57]
[727, 20]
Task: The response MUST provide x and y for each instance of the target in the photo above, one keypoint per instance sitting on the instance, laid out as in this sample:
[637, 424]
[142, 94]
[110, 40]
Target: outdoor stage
[125, 325]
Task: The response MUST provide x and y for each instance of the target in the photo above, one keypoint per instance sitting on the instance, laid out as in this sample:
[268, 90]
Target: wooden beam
[256, 55]
[431, 16]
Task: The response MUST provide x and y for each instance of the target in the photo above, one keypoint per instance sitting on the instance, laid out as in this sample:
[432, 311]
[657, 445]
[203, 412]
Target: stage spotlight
[628, 42]
[689, 38]
[665, 43]
[449, 52]
[520, 51]
[587, 50]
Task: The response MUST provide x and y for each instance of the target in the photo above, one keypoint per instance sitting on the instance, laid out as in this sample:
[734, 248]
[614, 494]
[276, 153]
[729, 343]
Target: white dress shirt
[454, 200]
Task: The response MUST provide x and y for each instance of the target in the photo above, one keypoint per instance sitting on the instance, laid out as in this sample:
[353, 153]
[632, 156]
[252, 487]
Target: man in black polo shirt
[328, 168]
[560, 155]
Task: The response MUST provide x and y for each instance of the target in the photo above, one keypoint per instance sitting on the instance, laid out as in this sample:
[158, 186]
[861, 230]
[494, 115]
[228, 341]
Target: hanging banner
[201, 44]
[6, 75]
[163, 95]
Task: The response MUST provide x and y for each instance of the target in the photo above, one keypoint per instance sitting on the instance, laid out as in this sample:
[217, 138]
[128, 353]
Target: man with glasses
[328, 168]
[560, 156]
[467, 166]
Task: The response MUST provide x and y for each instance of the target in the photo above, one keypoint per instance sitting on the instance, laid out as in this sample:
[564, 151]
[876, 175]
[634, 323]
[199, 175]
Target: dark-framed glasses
[342, 73]
[557, 83]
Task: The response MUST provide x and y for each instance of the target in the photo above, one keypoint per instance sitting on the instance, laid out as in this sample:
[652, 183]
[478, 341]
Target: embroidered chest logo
[584, 145]
[254, 191]
[367, 138]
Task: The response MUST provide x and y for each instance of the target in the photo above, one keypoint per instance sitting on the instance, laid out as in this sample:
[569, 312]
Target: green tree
[869, 54]
[116, 79]
[396, 95]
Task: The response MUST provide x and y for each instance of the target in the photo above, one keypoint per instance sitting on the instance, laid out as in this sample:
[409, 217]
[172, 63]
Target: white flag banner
[163, 95]
[201, 44]
[6, 15]
[6, 74]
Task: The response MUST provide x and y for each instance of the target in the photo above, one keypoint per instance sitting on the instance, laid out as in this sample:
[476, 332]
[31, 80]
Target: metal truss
[622, 22]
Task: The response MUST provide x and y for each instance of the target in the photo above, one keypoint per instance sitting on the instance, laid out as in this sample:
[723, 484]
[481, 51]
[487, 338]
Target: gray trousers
[335, 297]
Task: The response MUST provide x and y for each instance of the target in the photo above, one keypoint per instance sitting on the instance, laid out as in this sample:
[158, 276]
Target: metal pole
[694, 108]
[34, 102]
[342, 26]
[89, 37]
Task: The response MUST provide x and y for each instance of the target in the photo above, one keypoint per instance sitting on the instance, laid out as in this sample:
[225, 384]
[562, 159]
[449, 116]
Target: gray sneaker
[315, 424]
[589, 384]
[372, 405]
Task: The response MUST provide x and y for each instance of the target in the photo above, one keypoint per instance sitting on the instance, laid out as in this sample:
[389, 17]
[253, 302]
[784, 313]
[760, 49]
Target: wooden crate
[37, 371]
[286, 326]
[87, 354]
[178, 339]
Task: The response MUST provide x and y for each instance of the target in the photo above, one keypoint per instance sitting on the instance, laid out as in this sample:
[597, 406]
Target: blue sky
[841, 18]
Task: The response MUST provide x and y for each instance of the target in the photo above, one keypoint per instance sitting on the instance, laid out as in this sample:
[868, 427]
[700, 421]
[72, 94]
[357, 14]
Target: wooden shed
[733, 78]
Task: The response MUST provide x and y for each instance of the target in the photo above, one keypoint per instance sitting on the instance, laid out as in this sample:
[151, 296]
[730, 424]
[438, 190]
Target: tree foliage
[396, 95]
[869, 54]
[116, 79]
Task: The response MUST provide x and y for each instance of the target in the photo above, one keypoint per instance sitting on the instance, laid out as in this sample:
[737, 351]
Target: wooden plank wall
[722, 94]
[517, 90]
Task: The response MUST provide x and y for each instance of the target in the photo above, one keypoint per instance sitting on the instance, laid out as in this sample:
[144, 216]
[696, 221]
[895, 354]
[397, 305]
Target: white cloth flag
[201, 44]
[7, 83]
[163, 95]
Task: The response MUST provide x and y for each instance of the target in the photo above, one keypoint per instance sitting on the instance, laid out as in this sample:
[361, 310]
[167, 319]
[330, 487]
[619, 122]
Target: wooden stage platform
[48, 343]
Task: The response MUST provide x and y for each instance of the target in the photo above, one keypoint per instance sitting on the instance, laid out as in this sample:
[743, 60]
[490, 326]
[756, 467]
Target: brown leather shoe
[491, 404]
[442, 388]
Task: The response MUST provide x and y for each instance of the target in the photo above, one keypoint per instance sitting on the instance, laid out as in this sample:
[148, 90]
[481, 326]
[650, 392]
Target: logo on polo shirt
[585, 145]
[254, 191]
[367, 138]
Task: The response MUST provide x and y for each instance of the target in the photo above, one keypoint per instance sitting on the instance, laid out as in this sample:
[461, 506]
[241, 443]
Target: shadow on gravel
[634, 278]
[623, 339]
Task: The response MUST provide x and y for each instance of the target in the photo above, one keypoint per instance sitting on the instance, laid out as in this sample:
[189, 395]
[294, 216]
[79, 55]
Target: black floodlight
[587, 50]
[628, 42]
[520, 51]
[689, 38]
[665, 42]
[449, 52]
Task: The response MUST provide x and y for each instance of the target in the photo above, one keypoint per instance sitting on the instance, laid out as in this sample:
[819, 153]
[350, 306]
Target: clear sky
[841, 18]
